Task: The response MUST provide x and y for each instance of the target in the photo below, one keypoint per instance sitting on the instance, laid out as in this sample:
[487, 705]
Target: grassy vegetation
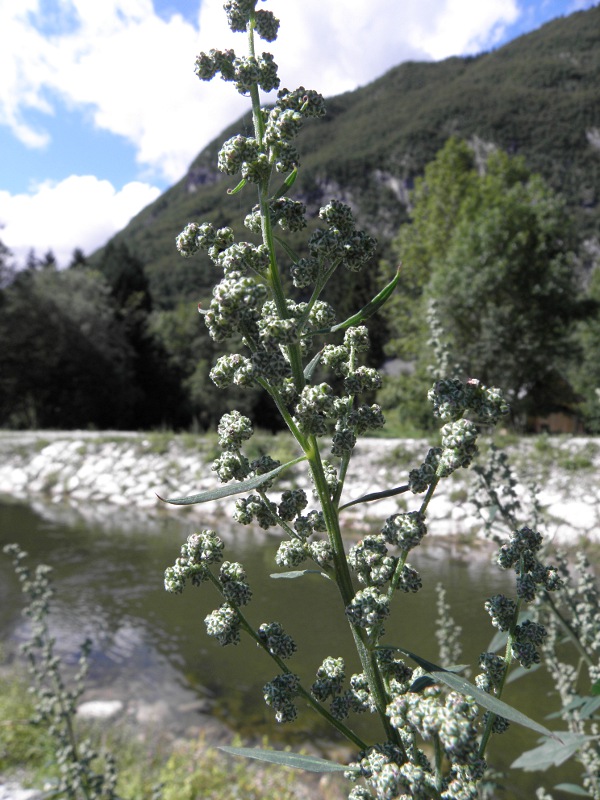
[187, 770]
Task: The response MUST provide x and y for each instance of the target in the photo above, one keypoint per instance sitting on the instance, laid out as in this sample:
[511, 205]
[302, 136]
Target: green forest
[491, 210]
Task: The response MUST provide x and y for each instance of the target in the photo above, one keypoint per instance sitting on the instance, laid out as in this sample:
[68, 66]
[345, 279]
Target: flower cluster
[235, 307]
[520, 554]
[284, 121]
[394, 670]
[368, 608]
[452, 398]
[528, 638]
[244, 72]
[291, 553]
[234, 583]
[391, 776]
[197, 553]
[196, 237]
[371, 561]
[405, 530]
[224, 625]
[341, 243]
[451, 719]
[420, 478]
[293, 501]
[233, 429]
[279, 694]
[277, 641]
[330, 678]
[491, 677]
[502, 610]
[232, 369]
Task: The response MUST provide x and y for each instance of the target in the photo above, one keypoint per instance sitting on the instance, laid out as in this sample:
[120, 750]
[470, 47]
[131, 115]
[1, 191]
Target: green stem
[429, 494]
[439, 756]
[285, 414]
[366, 654]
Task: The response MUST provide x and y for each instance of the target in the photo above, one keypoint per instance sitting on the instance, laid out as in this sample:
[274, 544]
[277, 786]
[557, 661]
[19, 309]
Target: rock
[97, 477]
[153, 713]
[14, 791]
[100, 709]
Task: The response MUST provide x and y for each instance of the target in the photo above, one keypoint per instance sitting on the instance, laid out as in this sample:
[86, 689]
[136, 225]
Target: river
[149, 644]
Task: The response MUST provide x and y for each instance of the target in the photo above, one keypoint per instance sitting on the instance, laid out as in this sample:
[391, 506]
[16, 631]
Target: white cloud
[79, 211]
[133, 71]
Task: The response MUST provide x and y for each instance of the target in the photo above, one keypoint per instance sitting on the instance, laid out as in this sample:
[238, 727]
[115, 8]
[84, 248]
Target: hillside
[538, 97]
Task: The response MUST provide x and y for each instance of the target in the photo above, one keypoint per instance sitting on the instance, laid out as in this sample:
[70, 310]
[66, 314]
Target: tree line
[488, 245]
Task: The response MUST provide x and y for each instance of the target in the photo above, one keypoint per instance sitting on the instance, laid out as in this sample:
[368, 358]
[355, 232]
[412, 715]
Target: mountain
[538, 96]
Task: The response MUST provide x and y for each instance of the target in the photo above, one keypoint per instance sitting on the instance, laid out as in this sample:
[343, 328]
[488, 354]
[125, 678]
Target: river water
[150, 644]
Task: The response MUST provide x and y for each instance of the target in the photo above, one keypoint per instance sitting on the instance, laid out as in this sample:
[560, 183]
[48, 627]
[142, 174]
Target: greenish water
[109, 587]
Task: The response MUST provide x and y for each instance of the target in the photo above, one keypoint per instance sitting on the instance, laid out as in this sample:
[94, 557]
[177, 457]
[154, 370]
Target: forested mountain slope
[538, 96]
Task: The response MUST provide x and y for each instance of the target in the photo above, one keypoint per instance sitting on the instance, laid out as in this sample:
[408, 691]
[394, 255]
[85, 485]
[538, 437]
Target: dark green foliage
[490, 244]
[585, 372]
[76, 351]
[63, 359]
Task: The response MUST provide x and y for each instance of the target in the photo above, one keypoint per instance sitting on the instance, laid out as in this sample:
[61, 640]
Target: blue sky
[100, 111]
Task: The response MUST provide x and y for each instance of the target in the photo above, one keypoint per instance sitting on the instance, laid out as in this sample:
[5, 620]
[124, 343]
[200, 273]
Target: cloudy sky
[100, 110]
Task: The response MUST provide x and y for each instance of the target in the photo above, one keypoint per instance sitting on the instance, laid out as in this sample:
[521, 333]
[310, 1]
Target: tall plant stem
[366, 654]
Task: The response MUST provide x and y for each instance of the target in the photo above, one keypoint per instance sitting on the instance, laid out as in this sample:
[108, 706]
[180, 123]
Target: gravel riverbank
[96, 474]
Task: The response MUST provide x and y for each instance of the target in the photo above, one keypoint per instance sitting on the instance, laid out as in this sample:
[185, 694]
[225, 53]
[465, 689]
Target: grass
[187, 770]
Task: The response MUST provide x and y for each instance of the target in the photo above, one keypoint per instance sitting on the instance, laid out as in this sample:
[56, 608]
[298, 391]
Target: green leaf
[311, 366]
[589, 707]
[572, 788]
[287, 184]
[550, 753]
[238, 188]
[465, 687]
[298, 573]
[231, 489]
[596, 688]
[498, 642]
[286, 759]
[366, 311]
[368, 498]
[293, 255]
[521, 672]
[422, 682]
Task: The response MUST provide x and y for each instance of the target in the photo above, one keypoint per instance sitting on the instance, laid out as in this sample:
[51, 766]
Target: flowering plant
[287, 342]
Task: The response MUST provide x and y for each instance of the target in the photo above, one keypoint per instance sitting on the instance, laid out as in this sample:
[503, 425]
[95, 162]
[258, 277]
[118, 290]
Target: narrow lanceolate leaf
[287, 184]
[285, 759]
[465, 687]
[368, 498]
[311, 366]
[585, 706]
[238, 188]
[367, 311]
[521, 672]
[550, 753]
[493, 704]
[285, 246]
[298, 573]
[572, 788]
[231, 489]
